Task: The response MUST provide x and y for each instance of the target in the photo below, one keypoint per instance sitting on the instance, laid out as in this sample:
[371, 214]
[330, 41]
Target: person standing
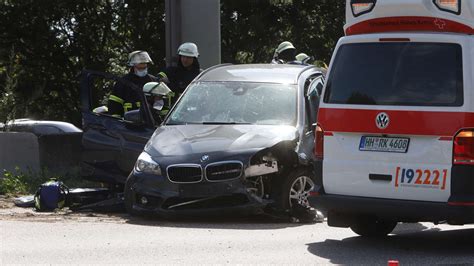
[303, 59]
[125, 98]
[284, 53]
[179, 77]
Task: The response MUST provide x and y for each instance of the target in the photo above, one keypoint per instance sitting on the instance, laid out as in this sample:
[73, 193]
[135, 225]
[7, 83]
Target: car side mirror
[133, 116]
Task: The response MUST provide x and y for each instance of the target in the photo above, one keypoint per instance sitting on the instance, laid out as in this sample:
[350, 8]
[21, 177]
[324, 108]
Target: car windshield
[236, 103]
[416, 74]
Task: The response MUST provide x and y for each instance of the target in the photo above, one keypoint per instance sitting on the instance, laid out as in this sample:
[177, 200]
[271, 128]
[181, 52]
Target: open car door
[111, 145]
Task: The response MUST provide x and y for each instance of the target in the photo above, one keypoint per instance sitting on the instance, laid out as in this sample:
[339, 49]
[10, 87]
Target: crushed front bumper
[157, 195]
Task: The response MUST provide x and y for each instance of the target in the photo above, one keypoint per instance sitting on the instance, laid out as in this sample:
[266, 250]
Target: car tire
[294, 195]
[372, 227]
[129, 197]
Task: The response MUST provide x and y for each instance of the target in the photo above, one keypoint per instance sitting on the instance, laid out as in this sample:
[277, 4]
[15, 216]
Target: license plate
[384, 144]
[203, 190]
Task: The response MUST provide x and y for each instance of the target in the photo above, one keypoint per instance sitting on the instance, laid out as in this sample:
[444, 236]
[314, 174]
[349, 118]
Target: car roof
[267, 73]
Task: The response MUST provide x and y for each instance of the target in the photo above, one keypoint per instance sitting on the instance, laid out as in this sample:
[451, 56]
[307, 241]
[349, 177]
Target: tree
[53, 40]
[44, 44]
[251, 30]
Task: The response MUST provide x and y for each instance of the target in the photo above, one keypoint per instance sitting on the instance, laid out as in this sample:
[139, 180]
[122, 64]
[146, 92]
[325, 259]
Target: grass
[17, 182]
[12, 183]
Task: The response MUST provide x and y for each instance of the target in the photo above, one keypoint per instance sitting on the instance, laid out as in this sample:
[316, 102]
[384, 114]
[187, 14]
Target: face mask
[158, 105]
[141, 73]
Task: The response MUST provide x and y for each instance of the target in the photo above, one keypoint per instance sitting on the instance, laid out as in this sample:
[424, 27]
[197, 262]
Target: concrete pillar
[194, 21]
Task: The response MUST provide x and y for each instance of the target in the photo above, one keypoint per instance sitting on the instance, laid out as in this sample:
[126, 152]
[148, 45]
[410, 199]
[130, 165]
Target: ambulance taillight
[464, 147]
[360, 7]
[453, 6]
[319, 143]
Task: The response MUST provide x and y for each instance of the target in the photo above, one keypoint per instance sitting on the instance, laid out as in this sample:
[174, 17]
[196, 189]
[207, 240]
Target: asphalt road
[253, 240]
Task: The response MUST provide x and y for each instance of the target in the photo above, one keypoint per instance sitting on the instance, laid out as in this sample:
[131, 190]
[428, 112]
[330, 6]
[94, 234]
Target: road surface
[70, 238]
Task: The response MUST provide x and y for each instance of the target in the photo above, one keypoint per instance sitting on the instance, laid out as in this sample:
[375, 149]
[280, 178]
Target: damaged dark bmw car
[240, 138]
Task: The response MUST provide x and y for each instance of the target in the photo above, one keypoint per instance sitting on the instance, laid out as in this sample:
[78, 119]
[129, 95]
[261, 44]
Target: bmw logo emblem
[204, 158]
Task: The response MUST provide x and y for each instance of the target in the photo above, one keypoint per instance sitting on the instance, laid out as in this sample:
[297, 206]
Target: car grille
[223, 171]
[184, 173]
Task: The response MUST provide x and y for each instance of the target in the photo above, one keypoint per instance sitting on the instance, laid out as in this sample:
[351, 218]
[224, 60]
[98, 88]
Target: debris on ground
[25, 201]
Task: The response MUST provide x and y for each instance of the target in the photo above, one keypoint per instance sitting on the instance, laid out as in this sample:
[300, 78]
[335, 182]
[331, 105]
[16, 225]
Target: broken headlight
[145, 164]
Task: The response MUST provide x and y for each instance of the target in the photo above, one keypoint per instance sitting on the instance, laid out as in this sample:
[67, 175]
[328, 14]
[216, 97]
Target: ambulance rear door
[392, 104]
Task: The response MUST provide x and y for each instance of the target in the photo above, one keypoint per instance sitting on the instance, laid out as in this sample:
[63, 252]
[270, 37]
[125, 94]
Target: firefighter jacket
[124, 98]
[179, 77]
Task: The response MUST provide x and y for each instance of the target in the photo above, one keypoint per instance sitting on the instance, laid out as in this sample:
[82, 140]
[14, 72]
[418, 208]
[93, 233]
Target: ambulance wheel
[372, 227]
[129, 197]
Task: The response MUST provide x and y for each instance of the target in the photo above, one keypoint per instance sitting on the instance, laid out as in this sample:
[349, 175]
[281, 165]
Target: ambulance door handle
[380, 177]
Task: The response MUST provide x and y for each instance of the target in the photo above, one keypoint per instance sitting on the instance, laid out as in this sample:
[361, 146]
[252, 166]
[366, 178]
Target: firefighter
[284, 53]
[179, 77]
[156, 94]
[303, 59]
[124, 98]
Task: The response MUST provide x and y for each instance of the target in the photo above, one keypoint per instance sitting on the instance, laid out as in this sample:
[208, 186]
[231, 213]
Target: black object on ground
[96, 199]
[84, 199]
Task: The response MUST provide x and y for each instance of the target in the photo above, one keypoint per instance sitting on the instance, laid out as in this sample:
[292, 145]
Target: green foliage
[44, 44]
[27, 182]
[53, 40]
[7, 99]
[252, 29]
[13, 183]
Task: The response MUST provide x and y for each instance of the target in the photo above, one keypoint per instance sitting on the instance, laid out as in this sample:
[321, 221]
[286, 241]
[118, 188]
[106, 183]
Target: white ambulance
[395, 134]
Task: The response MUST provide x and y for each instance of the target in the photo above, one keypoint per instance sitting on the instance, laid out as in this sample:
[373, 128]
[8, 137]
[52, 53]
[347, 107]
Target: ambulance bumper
[396, 210]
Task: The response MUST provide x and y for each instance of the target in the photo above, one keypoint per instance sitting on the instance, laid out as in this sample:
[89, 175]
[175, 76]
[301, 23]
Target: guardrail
[59, 154]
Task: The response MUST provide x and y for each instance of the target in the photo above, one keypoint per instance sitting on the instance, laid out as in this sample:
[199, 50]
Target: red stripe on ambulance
[400, 122]
[399, 24]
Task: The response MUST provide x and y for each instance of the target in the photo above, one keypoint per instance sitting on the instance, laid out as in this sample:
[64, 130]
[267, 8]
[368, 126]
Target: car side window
[313, 89]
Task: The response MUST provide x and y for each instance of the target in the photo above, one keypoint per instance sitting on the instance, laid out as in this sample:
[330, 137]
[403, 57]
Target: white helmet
[139, 57]
[188, 49]
[303, 58]
[284, 46]
[156, 89]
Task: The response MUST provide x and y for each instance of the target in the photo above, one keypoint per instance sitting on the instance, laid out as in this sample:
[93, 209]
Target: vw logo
[204, 158]
[382, 120]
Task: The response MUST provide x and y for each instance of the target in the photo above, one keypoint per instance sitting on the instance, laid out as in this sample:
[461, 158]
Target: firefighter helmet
[156, 89]
[139, 57]
[283, 47]
[303, 58]
[188, 49]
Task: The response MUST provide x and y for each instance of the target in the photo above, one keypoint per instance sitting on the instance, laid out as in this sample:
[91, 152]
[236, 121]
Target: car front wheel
[294, 196]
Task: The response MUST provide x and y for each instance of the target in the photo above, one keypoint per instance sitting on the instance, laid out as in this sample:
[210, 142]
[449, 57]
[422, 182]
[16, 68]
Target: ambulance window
[411, 74]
